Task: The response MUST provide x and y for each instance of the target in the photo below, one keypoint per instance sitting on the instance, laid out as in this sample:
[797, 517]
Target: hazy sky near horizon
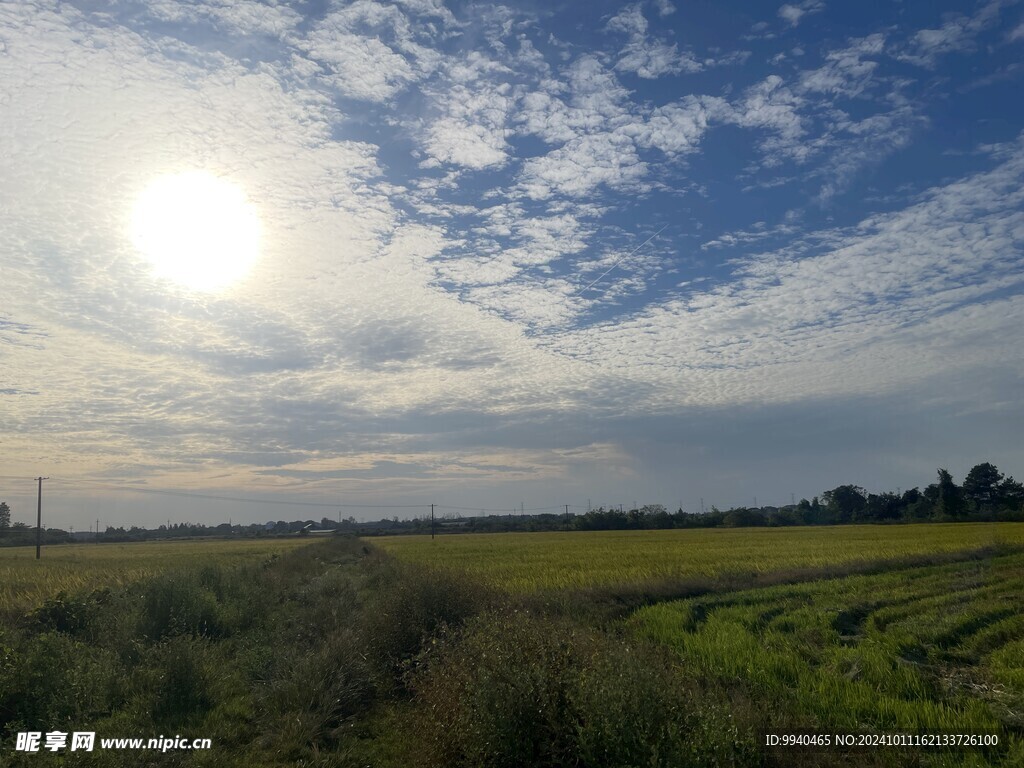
[532, 252]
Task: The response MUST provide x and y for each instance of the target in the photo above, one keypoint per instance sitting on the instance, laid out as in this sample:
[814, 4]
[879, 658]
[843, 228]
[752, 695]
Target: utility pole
[566, 515]
[431, 522]
[39, 516]
[702, 505]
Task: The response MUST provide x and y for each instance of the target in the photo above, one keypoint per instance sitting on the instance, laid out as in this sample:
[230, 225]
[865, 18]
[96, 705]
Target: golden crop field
[527, 562]
[26, 582]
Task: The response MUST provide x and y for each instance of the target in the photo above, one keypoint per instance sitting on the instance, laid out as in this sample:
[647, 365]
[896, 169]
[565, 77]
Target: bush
[181, 689]
[70, 614]
[410, 605]
[50, 679]
[176, 604]
[310, 694]
[519, 689]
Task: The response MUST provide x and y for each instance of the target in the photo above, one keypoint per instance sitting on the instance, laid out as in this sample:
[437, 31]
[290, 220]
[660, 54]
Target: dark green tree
[1010, 495]
[950, 496]
[916, 505]
[883, 506]
[5, 515]
[981, 486]
[845, 504]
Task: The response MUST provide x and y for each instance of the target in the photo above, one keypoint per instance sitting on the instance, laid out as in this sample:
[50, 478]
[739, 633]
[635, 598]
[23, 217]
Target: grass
[496, 650]
[853, 629]
[932, 650]
[25, 582]
[530, 562]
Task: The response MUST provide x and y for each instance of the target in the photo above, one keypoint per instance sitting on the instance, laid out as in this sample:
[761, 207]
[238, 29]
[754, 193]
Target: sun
[196, 229]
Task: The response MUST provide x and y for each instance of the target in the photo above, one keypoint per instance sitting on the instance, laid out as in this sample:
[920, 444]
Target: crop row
[935, 649]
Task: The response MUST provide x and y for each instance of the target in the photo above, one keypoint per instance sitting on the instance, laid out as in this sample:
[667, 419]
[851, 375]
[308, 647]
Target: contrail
[617, 261]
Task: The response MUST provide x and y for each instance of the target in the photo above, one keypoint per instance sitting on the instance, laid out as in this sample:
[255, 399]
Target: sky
[534, 253]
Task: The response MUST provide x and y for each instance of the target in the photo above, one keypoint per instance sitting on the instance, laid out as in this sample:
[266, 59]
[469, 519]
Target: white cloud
[678, 128]
[644, 57]
[773, 106]
[651, 60]
[471, 132]
[846, 72]
[239, 16]
[390, 294]
[582, 165]
[363, 68]
[792, 14]
[880, 308]
[286, 359]
[665, 8]
[370, 50]
[956, 35]
[629, 20]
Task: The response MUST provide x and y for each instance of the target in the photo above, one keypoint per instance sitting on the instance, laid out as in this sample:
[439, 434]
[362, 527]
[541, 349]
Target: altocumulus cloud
[450, 302]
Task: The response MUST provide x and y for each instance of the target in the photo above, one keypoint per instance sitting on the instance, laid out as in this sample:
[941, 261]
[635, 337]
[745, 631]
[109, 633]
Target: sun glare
[196, 229]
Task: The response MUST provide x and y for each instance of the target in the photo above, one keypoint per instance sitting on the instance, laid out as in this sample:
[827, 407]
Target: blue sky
[537, 253]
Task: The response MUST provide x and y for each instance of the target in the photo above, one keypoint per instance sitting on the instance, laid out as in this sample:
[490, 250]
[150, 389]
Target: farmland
[528, 649]
[859, 629]
[915, 650]
[529, 562]
[26, 582]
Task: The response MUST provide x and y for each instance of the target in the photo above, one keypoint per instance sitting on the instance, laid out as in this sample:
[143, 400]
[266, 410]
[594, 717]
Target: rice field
[26, 582]
[909, 648]
[531, 562]
[929, 650]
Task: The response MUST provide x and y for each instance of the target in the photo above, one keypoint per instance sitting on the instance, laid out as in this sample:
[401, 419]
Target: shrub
[175, 604]
[310, 694]
[411, 604]
[519, 689]
[70, 614]
[178, 679]
[50, 679]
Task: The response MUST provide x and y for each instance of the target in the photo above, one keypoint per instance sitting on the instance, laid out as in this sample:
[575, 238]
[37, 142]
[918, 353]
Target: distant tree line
[20, 534]
[985, 495]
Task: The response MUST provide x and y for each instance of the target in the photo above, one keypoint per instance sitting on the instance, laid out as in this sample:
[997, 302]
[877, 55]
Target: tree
[917, 505]
[950, 496]
[981, 486]
[846, 503]
[882, 506]
[5, 515]
[1011, 494]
